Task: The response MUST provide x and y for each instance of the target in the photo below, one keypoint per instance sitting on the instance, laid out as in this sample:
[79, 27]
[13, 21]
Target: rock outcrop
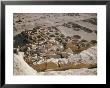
[21, 67]
[85, 59]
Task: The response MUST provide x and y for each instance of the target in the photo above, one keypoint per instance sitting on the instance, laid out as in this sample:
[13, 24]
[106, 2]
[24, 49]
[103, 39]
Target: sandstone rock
[72, 46]
[82, 71]
[44, 65]
[88, 56]
[85, 59]
[21, 67]
[69, 51]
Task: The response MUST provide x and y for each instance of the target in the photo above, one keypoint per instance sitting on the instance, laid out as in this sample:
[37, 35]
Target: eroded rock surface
[54, 42]
[85, 59]
[21, 67]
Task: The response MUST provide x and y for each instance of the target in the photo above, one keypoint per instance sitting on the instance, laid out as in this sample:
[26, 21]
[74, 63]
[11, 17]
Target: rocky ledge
[86, 59]
[55, 51]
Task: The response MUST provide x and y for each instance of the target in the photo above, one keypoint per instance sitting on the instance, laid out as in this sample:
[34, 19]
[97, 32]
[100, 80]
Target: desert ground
[55, 43]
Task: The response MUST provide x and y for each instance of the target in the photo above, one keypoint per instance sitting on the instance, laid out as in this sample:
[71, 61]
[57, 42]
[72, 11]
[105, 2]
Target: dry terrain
[55, 43]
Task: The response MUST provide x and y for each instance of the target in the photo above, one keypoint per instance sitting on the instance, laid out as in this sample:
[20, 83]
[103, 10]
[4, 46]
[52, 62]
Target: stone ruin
[41, 44]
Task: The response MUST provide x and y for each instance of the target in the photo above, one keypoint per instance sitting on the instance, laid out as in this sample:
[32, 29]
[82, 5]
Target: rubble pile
[44, 43]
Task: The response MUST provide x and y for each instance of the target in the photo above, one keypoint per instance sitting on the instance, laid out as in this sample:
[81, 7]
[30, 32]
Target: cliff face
[85, 59]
